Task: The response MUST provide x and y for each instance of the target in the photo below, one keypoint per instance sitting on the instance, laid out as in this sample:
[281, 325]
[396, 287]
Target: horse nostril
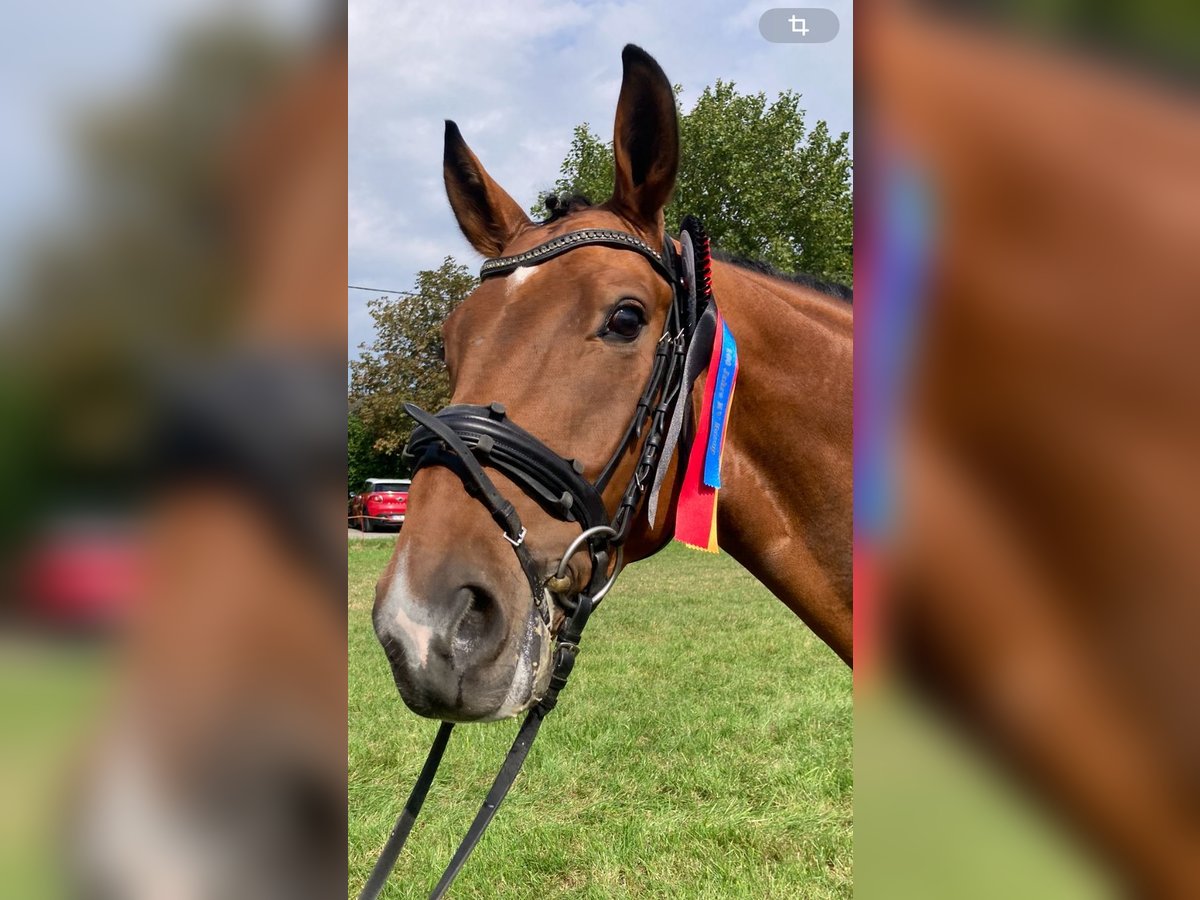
[481, 619]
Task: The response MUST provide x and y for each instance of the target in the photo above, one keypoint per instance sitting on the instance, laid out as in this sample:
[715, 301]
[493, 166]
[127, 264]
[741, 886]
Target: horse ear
[487, 215]
[645, 141]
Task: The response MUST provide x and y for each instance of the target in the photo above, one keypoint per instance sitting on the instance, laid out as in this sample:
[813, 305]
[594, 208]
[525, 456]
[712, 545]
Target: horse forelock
[562, 205]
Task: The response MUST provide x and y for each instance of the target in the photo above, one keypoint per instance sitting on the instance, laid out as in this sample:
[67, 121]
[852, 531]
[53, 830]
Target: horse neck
[785, 510]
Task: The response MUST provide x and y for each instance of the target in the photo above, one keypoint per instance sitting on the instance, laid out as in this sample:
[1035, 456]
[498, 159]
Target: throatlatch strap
[699, 323]
[697, 358]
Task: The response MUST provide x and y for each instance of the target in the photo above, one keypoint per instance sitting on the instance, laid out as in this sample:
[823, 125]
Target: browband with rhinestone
[608, 237]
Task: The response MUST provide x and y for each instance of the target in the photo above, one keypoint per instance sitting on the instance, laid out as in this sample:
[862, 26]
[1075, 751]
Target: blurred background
[172, 333]
[172, 340]
[1027, 432]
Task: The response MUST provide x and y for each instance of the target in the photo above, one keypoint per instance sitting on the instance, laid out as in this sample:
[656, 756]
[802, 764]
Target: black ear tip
[454, 143]
[634, 57]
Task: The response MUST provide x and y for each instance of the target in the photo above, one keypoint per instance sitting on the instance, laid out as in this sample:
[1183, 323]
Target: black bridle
[465, 439]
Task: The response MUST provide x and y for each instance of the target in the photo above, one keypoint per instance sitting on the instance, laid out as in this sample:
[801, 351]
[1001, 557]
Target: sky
[518, 76]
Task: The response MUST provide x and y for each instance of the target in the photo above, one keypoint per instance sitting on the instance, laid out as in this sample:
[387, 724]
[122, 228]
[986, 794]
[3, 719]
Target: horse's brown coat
[1050, 476]
[231, 694]
[534, 342]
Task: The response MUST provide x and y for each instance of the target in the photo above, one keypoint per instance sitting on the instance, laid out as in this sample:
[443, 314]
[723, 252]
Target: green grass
[50, 693]
[936, 819]
[702, 749]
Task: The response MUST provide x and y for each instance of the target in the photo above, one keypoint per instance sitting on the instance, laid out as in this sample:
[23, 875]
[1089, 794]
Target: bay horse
[219, 768]
[1045, 579]
[566, 344]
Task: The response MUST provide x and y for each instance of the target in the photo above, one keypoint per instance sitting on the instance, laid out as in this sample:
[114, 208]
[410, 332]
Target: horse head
[564, 347]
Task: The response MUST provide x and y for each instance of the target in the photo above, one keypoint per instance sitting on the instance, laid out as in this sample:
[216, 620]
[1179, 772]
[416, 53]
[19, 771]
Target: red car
[382, 501]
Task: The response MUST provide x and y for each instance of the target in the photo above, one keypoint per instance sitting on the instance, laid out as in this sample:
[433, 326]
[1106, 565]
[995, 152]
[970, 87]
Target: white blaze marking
[519, 276]
[412, 628]
[133, 839]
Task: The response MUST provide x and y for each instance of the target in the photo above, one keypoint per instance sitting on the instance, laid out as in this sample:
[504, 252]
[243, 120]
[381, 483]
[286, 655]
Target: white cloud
[517, 77]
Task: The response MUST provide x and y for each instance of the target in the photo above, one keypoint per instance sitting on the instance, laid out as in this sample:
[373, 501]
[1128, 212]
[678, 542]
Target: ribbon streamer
[696, 515]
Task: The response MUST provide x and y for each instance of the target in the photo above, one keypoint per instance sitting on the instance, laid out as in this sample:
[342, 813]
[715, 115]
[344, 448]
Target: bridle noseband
[466, 439]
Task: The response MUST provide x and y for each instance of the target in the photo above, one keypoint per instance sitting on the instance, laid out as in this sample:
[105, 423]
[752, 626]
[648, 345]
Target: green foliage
[363, 461]
[764, 185]
[144, 274]
[703, 749]
[404, 363]
[588, 168]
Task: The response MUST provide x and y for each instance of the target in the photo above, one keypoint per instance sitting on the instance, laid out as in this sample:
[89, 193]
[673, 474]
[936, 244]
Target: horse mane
[559, 206]
[833, 289]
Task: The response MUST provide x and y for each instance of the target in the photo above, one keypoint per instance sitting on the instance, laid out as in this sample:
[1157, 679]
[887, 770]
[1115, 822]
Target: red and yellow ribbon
[696, 514]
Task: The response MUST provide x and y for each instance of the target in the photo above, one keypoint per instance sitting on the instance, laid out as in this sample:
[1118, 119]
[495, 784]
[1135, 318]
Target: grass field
[702, 749]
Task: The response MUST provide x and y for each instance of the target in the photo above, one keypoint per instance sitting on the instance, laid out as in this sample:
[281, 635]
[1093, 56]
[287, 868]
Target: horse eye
[626, 321]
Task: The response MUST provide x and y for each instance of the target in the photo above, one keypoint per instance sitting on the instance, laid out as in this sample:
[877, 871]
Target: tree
[763, 185]
[147, 271]
[363, 461]
[404, 364]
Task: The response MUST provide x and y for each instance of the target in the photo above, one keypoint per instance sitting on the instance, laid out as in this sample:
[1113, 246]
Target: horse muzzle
[463, 655]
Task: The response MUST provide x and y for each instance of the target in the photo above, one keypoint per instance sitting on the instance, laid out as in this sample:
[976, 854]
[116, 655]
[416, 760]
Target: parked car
[380, 501]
